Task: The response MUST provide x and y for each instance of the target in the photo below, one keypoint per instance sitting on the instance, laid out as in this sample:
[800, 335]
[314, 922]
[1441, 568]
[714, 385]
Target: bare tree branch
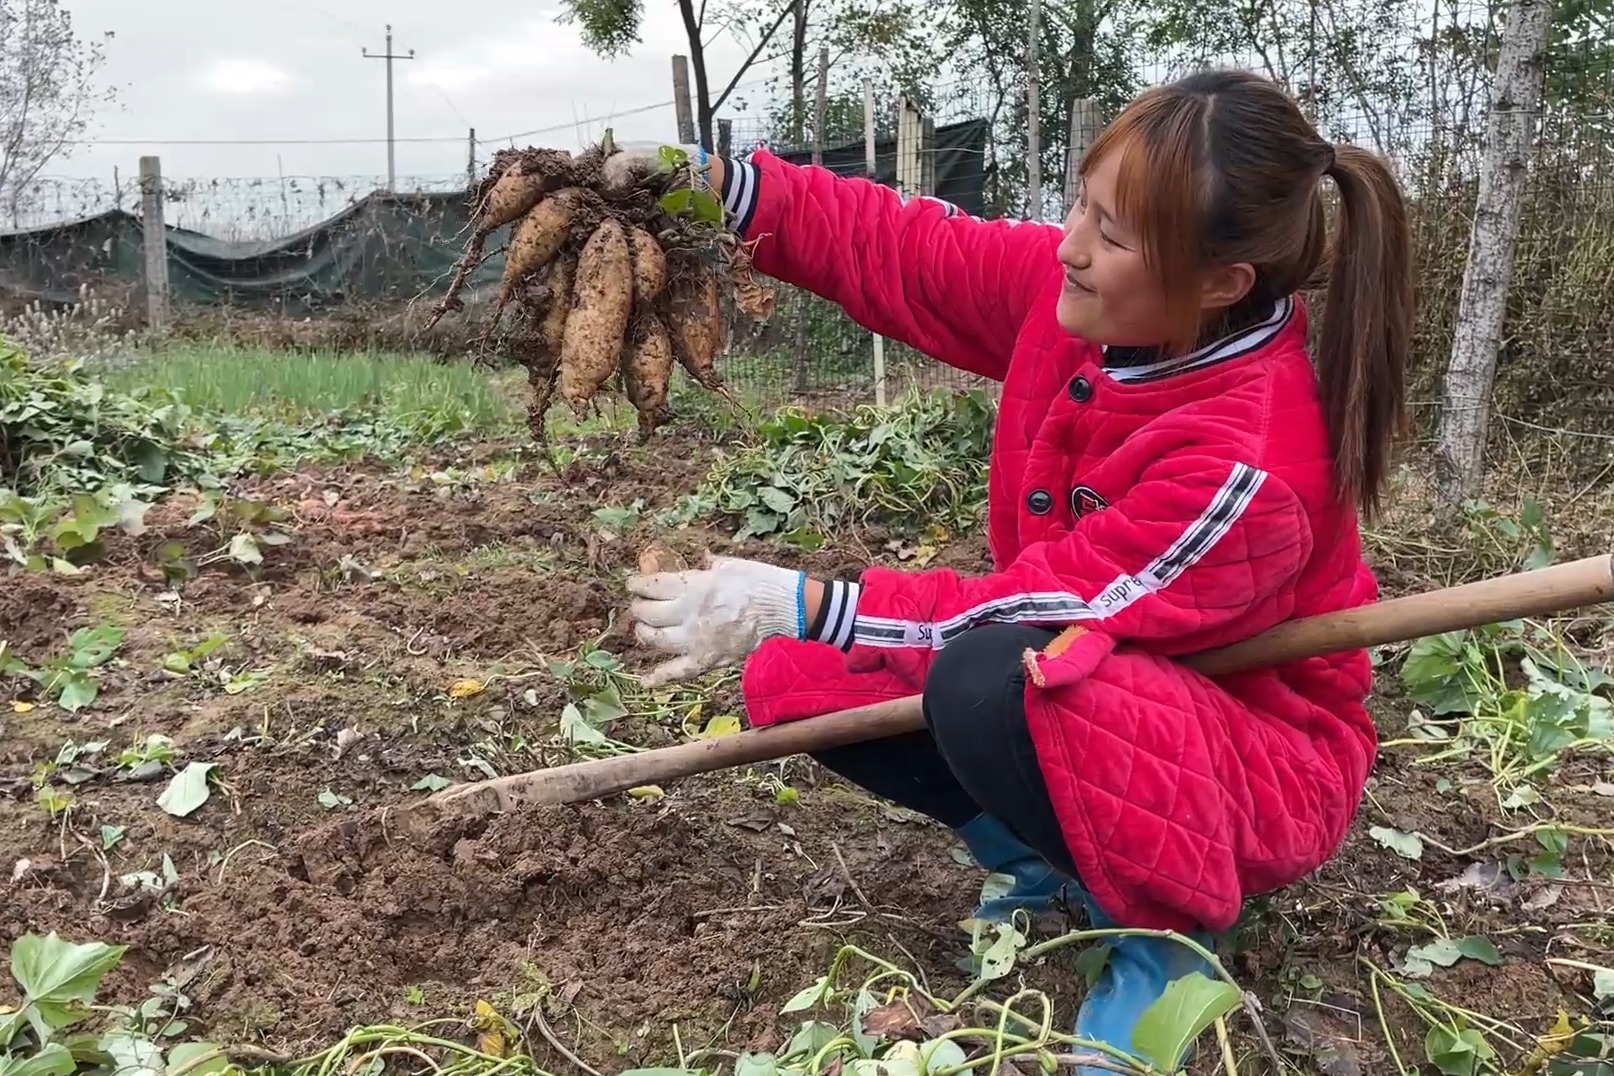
[47, 75]
[784, 13]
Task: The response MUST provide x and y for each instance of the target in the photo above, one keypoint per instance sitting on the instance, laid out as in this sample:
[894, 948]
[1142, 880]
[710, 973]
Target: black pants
[977, 754]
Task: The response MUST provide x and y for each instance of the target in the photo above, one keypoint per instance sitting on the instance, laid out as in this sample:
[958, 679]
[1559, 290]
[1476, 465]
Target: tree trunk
[1033, 113]
[1082, 115]
[1482, 308]
[798, 75]
[697, 63]
[804, 307]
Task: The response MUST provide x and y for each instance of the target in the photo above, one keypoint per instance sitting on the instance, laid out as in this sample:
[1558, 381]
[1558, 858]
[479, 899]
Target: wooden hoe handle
[1542, 592]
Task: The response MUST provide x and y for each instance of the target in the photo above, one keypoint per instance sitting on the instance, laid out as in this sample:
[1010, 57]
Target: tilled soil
[637, 915]
[659, 914]
[703, 908]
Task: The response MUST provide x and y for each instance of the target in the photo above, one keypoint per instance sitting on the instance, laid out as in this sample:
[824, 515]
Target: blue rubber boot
[1135, 976]
[1037, 886]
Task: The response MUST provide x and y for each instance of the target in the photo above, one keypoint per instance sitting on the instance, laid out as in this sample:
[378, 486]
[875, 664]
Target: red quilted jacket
[1162, 508]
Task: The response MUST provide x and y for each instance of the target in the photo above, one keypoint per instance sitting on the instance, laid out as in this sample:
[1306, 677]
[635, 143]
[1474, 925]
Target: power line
[458, 138]
[569, 126]
[608, 117]
[317, 9]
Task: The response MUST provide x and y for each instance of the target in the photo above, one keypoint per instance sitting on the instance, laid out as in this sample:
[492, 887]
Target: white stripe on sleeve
[1064, 607]
[741, 182]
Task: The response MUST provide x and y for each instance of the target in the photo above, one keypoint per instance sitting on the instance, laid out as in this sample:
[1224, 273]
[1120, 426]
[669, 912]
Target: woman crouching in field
[1169, 474]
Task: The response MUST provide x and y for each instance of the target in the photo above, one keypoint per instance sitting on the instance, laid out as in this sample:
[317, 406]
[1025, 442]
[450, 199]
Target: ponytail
[1367, 325]
[1222, 168]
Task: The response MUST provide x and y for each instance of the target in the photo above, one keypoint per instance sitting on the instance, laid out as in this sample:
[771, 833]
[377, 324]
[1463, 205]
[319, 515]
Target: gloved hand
[634, 161]
[715, 616]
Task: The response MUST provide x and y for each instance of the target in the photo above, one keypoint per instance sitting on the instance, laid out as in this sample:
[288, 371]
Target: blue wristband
[801, 606]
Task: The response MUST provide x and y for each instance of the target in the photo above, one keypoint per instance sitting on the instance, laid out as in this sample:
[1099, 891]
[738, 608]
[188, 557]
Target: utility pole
[389, 56]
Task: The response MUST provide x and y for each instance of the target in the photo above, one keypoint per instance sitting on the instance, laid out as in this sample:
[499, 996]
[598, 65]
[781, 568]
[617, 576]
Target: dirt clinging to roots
[612, 272]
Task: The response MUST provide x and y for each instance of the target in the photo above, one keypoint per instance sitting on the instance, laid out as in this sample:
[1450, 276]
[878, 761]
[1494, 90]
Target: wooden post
[1085, 122]
[821, 106]
[725, 138]
[681, 102]
[927, 156]
[470, 161]
[154, 237]
[909, 125]
[1033, 119]
[871, 165]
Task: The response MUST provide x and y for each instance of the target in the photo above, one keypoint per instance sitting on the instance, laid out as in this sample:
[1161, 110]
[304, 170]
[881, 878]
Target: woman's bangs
[1158, 190]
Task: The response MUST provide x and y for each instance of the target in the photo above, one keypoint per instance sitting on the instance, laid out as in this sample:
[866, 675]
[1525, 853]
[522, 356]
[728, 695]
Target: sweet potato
[552, 329]
[511, 198]
[646, 370]
[516, 183]
[656, 557]
[537, 239]
[527, 347]
[649, 267]
[610, 289]
[540, 345]
[602, 298]
[696, 323]
[541, 377]
[523, 183]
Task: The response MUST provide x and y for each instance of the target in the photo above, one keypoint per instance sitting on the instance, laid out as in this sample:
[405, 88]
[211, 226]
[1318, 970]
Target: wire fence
[234, 209]
[1408, 78]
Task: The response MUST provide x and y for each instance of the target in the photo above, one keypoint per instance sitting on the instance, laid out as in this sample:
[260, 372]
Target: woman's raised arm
[953, 286]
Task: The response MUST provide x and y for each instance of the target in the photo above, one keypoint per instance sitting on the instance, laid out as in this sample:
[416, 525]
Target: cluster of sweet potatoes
[606, 281]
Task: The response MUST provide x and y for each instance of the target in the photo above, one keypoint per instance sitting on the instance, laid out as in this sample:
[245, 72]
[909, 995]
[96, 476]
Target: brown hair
[1221, 167]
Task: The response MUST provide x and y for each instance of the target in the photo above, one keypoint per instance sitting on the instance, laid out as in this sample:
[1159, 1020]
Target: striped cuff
[836, 615]
[741, 182]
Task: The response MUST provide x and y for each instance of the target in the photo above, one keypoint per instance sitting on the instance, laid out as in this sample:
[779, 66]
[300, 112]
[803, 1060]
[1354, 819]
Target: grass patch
[919, 464]
[84, 451]
[403, 390]
[412, 390]
[85, 447]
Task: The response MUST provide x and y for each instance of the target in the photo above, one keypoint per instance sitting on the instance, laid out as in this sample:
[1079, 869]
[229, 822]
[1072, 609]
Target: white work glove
[715, 616]
[635, 160]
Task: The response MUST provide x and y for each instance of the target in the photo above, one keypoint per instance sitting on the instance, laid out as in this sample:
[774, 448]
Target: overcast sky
[293, 69]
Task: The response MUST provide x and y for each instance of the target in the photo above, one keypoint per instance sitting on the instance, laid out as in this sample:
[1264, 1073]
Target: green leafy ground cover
[277, 592]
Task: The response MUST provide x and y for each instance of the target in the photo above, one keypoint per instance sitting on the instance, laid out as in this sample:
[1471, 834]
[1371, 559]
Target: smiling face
[1114, 292]
[1111, 296]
